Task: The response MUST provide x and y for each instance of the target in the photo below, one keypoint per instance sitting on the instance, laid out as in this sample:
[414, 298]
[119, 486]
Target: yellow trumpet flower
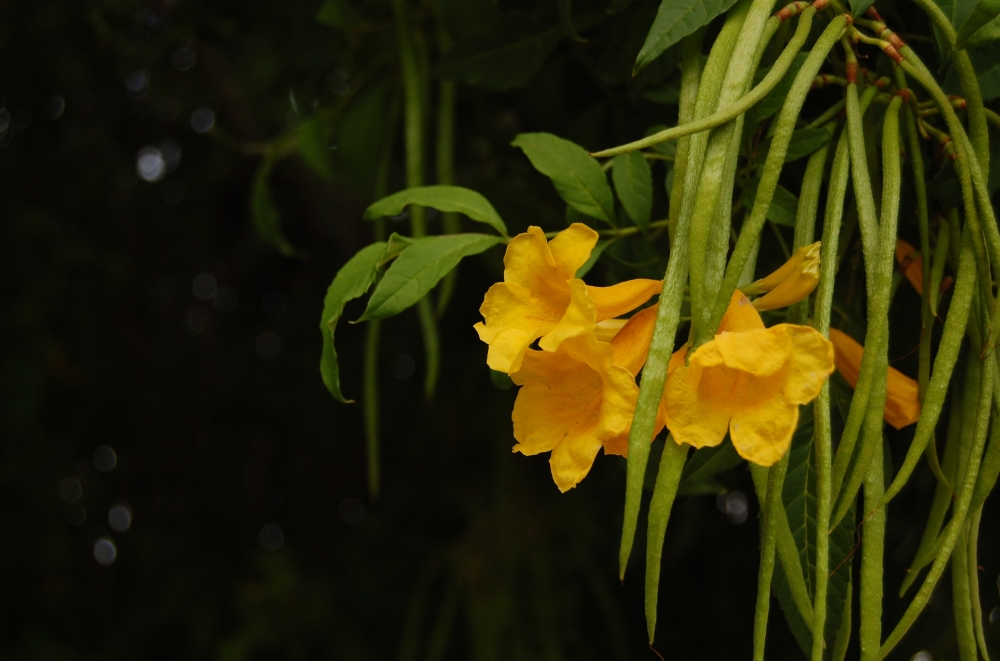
[902, 395]
[749, 380]
[533, 301]
[792, 282]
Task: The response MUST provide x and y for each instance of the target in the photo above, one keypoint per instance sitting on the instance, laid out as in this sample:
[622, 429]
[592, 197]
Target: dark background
[251, 533]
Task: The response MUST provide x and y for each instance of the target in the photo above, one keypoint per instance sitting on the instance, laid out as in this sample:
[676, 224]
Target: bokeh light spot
[105, 551]
[120, 517]
[149, 164]
[105, 459]
[202, 120]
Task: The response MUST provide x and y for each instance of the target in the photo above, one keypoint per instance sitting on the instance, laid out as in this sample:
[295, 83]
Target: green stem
[773, 164]
[805, 216]
[661, 345]
[446, 176]
[823, 439]
[414, 141]
[769, 535]
[872, 551]
[726, 113]
[977, 606]
[827, 116]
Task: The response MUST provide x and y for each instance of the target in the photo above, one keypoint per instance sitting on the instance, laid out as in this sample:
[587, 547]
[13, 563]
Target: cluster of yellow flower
[578, 390]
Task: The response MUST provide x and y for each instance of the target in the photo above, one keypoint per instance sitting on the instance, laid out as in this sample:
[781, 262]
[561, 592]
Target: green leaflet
[264, 213]
[985, 35]
[706, 463]
[442, 198]
[352, 280]
[314, 146]
[576, 175]
[984, 12]
[365, 123]
[634, 185]
[418, 268]
[675, 20]
[799, 496]
[783, 207]
[804, 142]
[859, 7]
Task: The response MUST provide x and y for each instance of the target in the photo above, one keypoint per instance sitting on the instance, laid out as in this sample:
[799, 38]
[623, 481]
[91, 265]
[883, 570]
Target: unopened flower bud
[791, 283]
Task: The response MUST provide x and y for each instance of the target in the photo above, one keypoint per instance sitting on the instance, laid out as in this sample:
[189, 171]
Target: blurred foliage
[470, 553]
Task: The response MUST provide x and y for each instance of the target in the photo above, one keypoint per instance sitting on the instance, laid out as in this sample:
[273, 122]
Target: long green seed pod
[723, 146]
[961, 598]
[769, 534]
[977, 607]
[872, 551]
[944, 364]
[668, 478]
[773, 164]
[822, 440]
[805, 215]
[690, 81]
[877, 336]
[668, 315]
[725, 113]
[961, 509]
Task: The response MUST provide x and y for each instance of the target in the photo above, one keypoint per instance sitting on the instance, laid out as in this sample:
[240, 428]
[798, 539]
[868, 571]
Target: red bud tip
[873, 13]
[851, 72]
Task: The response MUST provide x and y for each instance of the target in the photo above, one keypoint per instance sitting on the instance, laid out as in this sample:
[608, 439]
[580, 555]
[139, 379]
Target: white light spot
[736, 507]
[105, 551]
[105, 459]
[120, 517]
[55, 106]
[922, 655]
[149, 164]
[202, 120]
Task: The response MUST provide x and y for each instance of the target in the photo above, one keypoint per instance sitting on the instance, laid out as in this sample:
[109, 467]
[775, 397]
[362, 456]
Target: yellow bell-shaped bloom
[792, 282]
[902, 395]
[749, 380]
[532, 302]
[911, 263]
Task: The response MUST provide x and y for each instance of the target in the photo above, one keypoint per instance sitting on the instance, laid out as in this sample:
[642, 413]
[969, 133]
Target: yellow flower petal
[572, 402]
[579, 319]
[740, 315]
[515, 319]
[571, 249]
[763, 420]
[759, 352]
[902, 395]
[796, 284]
[631, 344]
[697, 404]
[607, 330]
[624, 297]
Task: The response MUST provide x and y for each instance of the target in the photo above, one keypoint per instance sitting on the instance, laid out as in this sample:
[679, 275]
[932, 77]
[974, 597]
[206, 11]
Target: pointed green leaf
[985, 35]
[264, 213]
[314, 146]
[804, 142]
[984, 12]
[706, 463]
[784, 204]
[442, 198]
[675, 20]
[859, 7]
[352, 280]
[418, 268]
[576, 175]
[634, 185]
[397, 244]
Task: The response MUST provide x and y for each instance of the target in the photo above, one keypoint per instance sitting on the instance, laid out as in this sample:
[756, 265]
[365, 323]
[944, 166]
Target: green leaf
[576, 175]
[858, 7]
[984, 12]
[442, 198]
[805, 142]
[502, 55]
[985, 35]
[986, 62]
[501, 381]
[634, 185]
[772, 103]
[595, 255]
[314, 146]
[352, 280]
[799, 499]
[783, 207]
[341, 15]
[708, 487]
[675, 20]
[397, 244]
[418, 268]
[360, 138]
[667, 94]
[264, 213]
[706, 463]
